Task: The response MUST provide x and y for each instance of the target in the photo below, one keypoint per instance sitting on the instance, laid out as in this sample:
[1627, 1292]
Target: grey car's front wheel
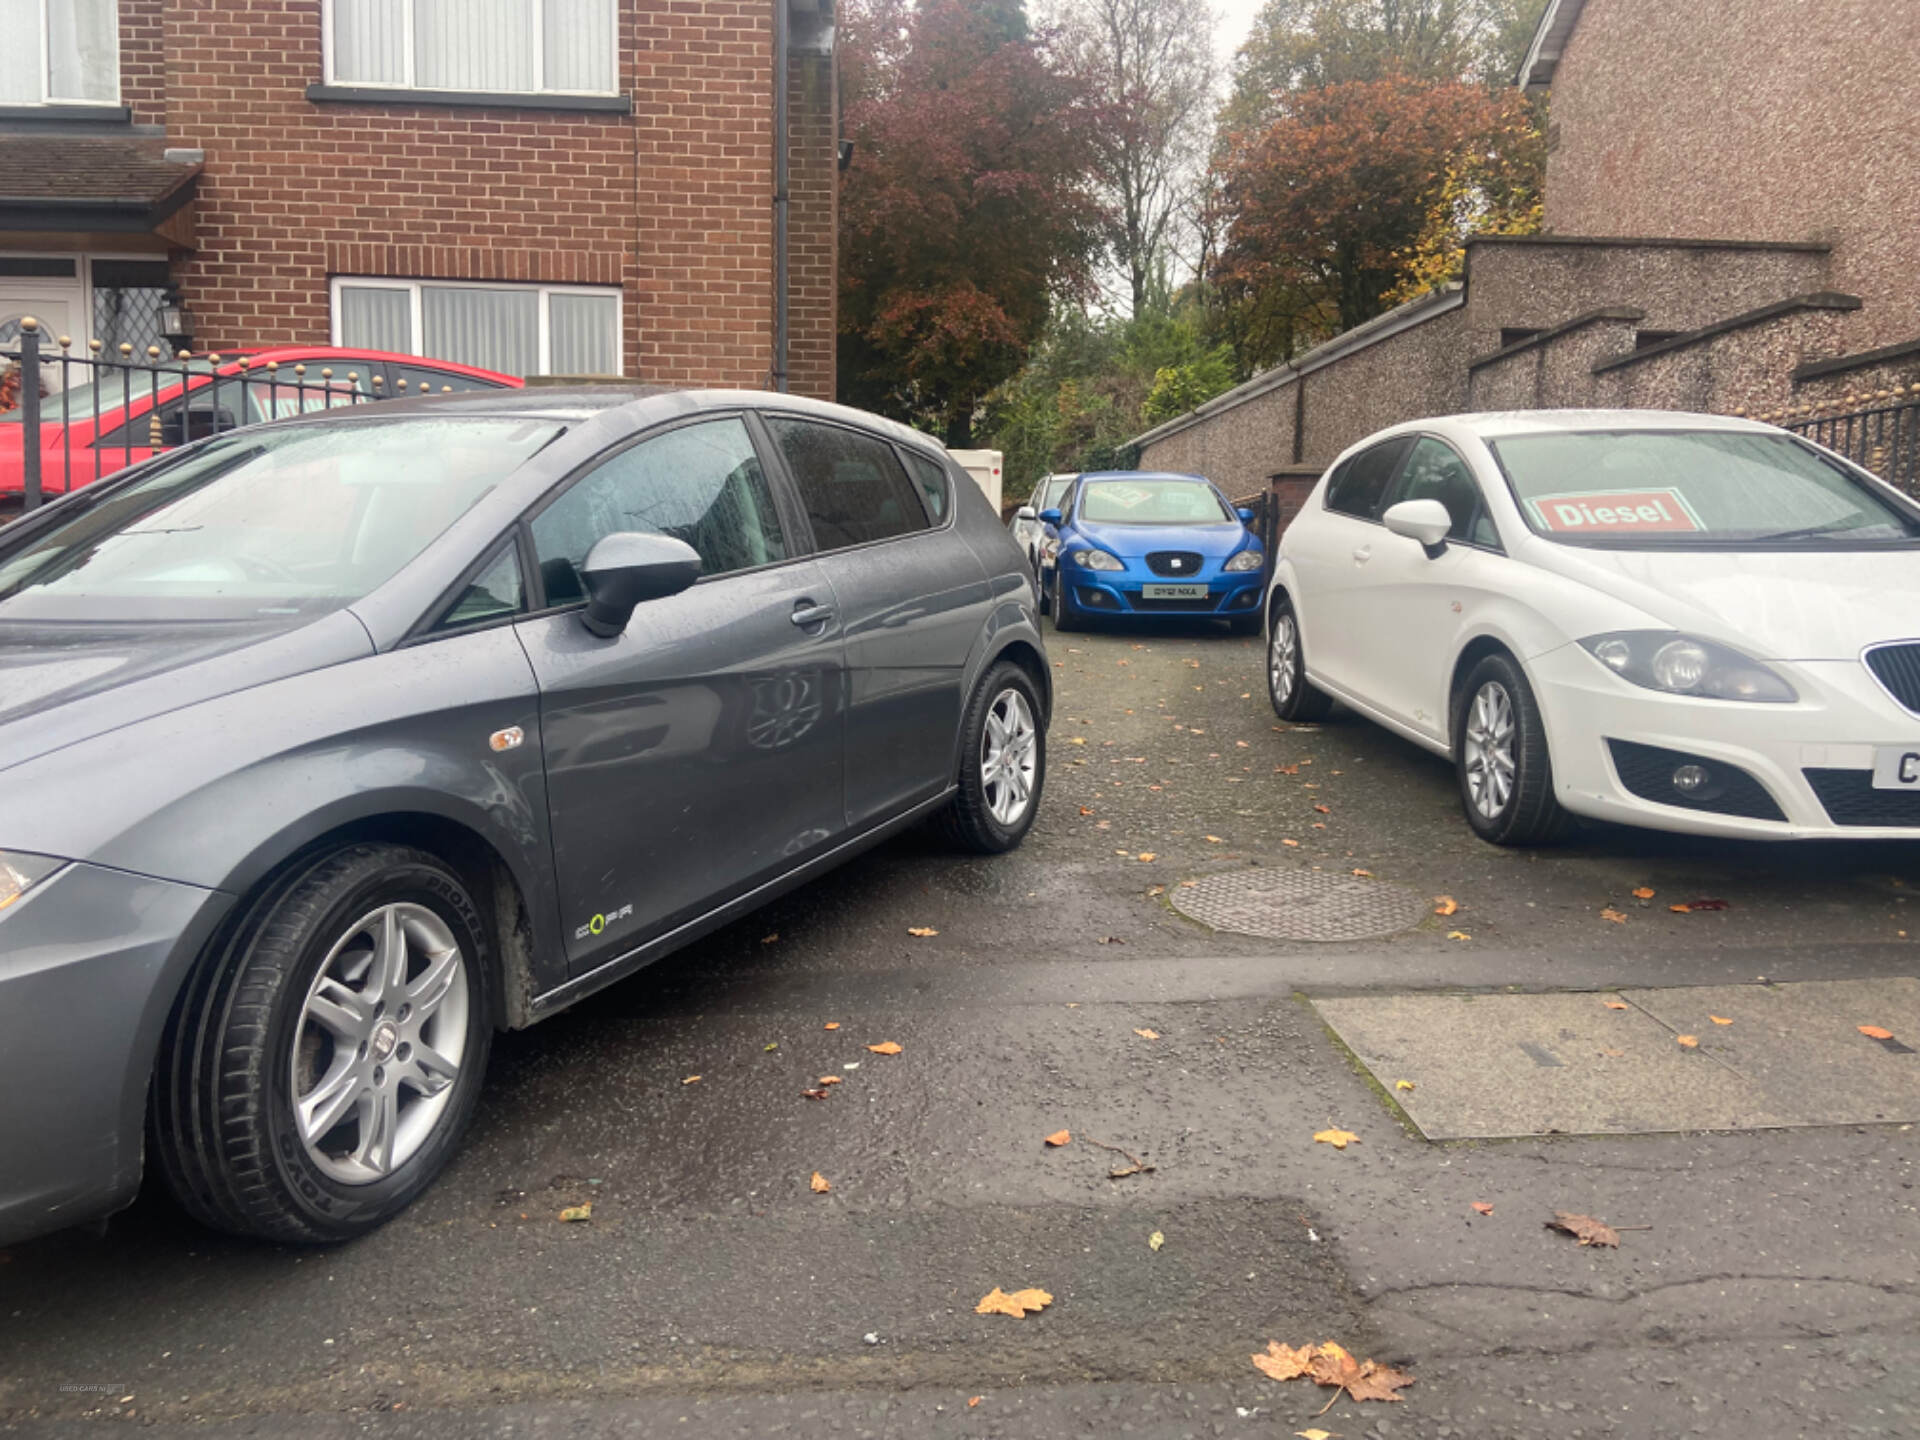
[318, 1071]
[1003, 763]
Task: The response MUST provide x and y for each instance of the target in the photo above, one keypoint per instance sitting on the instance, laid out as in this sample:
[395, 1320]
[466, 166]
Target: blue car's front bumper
[1126, 592]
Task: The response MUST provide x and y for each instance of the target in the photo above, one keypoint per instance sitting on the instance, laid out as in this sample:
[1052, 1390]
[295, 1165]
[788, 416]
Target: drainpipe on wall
[780, 195]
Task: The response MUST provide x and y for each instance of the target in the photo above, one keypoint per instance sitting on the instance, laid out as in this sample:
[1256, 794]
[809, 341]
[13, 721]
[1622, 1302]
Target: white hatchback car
[1687, 622]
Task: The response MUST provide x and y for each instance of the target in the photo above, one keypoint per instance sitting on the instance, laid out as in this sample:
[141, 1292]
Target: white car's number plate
[1173, 592]
[1896, 767]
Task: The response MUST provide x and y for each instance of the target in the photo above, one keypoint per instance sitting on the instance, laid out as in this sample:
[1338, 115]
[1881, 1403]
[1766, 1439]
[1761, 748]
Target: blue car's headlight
[20, 873]
[1097, 560]
[1244, 561]
[1687, 665]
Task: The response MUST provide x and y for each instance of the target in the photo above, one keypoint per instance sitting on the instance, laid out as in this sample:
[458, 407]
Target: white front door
[60, 307]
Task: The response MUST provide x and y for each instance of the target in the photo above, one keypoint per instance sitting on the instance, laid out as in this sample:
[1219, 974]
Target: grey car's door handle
[806, 613]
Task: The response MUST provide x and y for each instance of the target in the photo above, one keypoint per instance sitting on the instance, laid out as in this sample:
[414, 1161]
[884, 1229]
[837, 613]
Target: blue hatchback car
[1133, 544]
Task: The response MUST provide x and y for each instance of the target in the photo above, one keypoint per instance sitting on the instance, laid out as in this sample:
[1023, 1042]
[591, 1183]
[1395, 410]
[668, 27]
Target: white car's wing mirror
[1026, 512]
[1424, 520]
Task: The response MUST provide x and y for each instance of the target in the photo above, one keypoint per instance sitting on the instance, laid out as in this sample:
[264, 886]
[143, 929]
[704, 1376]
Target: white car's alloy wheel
[1283, 656]
[1489, 749]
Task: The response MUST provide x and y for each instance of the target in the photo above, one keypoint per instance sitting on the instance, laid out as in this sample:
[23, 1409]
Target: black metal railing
[86, 412]
[1881, 435]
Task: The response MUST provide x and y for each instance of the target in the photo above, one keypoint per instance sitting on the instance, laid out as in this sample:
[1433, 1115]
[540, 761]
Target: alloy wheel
[379, 1043]
[1488, 756]
[1282, 654]
[1009, 756]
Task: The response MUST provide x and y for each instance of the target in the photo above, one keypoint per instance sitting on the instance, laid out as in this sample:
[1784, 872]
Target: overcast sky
[1234, 19]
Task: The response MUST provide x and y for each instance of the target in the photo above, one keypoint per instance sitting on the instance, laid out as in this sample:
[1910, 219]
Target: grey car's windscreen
[267, 524]
[1650, 489]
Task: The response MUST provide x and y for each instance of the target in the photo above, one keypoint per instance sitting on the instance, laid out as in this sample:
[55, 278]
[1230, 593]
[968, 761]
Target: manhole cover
[1300, 905]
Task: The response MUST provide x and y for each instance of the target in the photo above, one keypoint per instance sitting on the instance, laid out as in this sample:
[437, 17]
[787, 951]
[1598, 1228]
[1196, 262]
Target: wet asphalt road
[714, 1293]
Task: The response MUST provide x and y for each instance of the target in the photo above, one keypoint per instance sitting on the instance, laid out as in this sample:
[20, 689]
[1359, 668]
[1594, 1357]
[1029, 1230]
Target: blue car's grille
[1174, 562]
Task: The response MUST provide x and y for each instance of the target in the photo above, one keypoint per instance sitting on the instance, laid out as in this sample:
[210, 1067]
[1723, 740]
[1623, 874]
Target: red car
[109, 418]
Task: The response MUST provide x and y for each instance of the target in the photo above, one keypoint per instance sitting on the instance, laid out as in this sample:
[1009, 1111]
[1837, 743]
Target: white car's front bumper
[1821, 746]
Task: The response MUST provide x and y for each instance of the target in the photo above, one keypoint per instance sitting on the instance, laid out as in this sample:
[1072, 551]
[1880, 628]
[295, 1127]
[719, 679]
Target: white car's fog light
[1688, 779]
[1687, 665]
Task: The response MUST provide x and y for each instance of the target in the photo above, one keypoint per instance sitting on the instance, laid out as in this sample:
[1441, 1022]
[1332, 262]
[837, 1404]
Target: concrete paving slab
[1494, 1066]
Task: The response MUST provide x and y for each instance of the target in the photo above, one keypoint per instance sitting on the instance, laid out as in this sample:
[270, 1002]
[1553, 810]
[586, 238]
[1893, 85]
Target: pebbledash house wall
[1419, 359]
[672, 204]
[1766, 119]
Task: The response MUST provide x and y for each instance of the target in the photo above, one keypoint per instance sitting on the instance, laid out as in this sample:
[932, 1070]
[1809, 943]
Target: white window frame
[406, 48]
[416, 327]
[47, 97]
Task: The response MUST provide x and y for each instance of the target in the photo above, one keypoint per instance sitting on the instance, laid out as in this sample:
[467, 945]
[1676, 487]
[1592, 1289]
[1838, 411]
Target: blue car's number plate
[1173, 592]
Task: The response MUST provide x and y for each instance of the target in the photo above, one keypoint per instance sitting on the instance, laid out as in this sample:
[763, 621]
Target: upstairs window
[498, 46]
[59, 52]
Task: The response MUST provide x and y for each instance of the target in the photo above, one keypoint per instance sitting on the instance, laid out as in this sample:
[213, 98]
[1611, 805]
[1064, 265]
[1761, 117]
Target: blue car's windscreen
[1151, 502]
[265, 524]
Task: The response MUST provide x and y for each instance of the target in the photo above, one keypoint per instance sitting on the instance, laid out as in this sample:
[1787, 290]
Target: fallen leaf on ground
[1291, 844]
[1585, 1229]
[578, 1212]
[1403, 1085]
[1617, 917]
[1153, 890]
[1316, 1434]
[1645, 892]
[998, 1302]
[1076, 740]
[1213, 840]
[1445, 905]
[691, 1080]
[1338, 1139]
[1323, 810]
[829, 1080]
[769, 939]
[1708, 905]
[1148, 1034]
[1875, 1032]
[1156, 1240]
[770, 1047]
[1458, 935]
[885, 1047]
[1060, 1137]
[1086, 810]
[1681, 909]
[1111, 940]
[1332, 1366]
[831, 1025]
[1483, 1207]
[923, 931]
[1364, 874]
[1616, 1004]
[975, 1400]
[1147, 855]
[813, 1094]
[1720, 1019]
[820, 1184]
[1692, 1042]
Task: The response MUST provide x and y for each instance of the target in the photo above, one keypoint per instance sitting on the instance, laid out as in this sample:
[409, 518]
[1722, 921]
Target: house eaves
[1550, 38]
[1450, 296]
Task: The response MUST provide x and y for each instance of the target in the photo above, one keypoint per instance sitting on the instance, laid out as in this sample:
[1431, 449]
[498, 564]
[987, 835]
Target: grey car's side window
[1435, 472]
[495, 592]
[700, 483]
[932, 480]
[1360, 484]
[853, 485]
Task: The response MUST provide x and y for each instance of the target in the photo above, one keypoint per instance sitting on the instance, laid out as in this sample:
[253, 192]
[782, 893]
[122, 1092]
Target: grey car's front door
[701, 752]
[914, 600]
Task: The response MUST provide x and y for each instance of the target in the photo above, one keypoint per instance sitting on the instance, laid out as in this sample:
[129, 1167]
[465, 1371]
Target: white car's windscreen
[1648, 488]
[1151, 502]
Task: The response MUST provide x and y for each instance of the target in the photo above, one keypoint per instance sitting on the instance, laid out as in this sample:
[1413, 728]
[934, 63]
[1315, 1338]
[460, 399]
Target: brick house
[535, 186]
[1729, 226]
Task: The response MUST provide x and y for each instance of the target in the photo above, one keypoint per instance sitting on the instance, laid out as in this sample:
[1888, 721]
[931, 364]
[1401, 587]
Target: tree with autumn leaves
[968, 211]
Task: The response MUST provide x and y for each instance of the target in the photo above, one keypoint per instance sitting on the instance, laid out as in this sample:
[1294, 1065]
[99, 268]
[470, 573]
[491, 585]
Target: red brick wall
[673, 203]
[143, 64]
[813, 180]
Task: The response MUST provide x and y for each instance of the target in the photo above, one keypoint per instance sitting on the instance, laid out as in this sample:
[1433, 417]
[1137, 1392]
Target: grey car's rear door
[913, 597]
[702, 751]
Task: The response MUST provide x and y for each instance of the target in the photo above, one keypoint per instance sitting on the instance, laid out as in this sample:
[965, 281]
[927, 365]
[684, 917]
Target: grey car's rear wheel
[1003, 763]
[319, 1069]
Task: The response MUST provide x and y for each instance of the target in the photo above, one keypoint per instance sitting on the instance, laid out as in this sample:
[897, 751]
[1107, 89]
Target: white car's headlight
[1687, 665]
[20, 873]
[1097, 560]
[1244, 561]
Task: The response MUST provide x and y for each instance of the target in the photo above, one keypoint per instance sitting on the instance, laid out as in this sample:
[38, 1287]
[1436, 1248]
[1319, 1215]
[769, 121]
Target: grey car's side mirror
[627, 567]
[1049, 517]
[1026, 512]
[1424, 520]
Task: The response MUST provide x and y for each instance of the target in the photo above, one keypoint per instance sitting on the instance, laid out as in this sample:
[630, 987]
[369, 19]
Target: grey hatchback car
[330, 747]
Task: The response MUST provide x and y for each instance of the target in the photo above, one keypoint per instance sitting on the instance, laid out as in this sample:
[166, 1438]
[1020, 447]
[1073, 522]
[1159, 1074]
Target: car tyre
[267, 1119]
[1501, 757]
[1003, 763]
[1292, 696]
[1040, 584]
[1064, 620]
